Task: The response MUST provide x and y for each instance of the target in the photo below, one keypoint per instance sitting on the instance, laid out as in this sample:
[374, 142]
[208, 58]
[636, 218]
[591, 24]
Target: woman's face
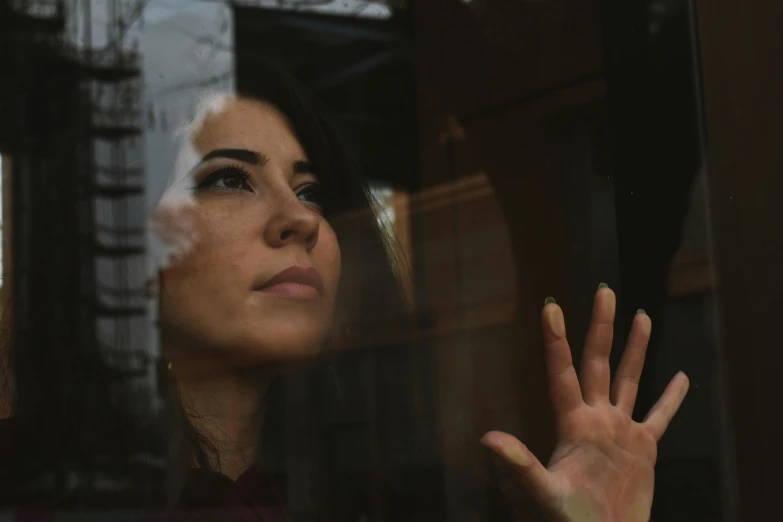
[260, 282]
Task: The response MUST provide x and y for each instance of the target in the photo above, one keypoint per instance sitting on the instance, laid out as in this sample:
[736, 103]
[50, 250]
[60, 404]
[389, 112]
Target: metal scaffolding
[71, 127]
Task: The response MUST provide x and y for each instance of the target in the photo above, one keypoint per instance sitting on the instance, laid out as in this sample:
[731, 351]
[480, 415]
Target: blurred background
[519, 148]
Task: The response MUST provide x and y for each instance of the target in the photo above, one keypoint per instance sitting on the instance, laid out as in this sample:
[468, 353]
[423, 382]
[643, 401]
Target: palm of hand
[606, 470]
[602, 469]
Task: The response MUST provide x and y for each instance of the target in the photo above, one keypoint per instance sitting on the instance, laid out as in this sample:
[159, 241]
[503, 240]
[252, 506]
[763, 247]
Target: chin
[291, 345]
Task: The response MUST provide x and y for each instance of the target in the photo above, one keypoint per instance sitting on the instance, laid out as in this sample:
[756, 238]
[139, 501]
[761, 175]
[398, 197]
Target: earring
[164, 375]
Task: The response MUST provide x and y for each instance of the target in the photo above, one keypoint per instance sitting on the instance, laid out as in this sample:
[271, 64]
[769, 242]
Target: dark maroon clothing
[253, 496]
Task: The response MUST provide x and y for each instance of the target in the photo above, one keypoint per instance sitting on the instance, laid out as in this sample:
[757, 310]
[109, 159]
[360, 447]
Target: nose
[291, 223]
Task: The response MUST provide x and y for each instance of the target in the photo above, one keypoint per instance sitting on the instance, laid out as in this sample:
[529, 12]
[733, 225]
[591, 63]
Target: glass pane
[315, 260]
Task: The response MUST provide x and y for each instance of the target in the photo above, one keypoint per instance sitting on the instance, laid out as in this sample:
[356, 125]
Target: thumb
[539, 482]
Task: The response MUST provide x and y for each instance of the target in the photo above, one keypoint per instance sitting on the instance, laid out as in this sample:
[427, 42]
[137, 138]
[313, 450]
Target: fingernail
[641, 311]
[687, 382]
[603, 285]
[516, 457]
[549, 300]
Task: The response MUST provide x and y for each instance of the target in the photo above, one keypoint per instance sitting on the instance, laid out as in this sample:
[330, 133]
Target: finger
[662, 413]
[626, 381]
[595, 375]
[537, 479]
[563, 382]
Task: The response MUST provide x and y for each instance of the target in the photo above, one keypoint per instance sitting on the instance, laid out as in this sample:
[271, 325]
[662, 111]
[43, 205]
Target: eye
[227, 178]
[312, 194]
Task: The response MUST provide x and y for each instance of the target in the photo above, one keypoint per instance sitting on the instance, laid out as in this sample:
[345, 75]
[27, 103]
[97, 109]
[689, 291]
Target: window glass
[386, 260]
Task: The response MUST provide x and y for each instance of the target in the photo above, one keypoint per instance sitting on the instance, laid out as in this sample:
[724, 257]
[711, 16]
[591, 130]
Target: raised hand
[602, 468]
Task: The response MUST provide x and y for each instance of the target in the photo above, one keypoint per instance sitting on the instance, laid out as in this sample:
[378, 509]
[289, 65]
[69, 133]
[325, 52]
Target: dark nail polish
[603, 285]
[641, 311]
[549, 300]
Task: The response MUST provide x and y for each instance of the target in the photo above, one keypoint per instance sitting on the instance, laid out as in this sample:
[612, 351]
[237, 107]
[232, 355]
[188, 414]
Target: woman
[258, 284]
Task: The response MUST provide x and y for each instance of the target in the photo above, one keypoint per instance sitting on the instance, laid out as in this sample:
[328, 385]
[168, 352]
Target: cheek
[217, 266]
[220, 248]
[204, 296]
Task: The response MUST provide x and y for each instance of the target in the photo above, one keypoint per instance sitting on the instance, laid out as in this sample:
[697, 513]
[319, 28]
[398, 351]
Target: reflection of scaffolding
[41, 109]
[111, 76]
[83, 118]
[41, 14]
[71, 130]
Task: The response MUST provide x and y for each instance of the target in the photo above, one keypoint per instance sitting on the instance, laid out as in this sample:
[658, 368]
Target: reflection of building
[558, 210]
[70, 116]
[45, 138]
[112, 79]
[71, 139]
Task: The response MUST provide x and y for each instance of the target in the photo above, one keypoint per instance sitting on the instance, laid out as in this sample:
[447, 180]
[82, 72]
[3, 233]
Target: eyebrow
[243, 155]
[255, 158]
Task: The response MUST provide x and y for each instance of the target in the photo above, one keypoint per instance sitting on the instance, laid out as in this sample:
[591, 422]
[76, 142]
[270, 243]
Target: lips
[296, 281]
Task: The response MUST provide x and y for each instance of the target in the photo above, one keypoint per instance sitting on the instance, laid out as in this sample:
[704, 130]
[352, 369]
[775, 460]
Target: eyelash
[315, 189]
[223, 172]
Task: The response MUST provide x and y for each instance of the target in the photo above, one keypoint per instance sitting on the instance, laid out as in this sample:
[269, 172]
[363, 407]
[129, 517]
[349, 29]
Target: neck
[227, 408]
